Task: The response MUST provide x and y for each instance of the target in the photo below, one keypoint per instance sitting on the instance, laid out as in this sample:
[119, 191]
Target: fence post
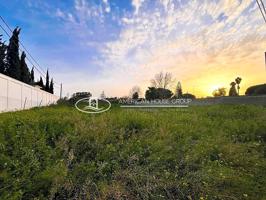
[30, 97]
[25, 103]
[61, 91]
[40, 103]
[7, 85]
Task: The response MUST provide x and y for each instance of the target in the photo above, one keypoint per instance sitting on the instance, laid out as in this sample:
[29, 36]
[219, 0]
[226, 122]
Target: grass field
[215, 152]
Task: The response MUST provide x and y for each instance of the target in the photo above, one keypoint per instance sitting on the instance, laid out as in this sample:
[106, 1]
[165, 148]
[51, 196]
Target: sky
[113, 45]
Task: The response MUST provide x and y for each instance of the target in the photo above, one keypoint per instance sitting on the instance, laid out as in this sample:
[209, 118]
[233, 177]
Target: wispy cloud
[189, 39]
[202, 43]
[137, 4]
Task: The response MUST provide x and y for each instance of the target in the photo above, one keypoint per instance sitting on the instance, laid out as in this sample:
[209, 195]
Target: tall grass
[215, 152]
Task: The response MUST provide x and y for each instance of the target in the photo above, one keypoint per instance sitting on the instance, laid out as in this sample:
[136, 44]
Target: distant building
[82, 94]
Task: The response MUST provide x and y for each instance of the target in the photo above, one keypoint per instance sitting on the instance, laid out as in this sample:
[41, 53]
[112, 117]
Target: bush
[188, 96]
[256, 90]
[158, 93]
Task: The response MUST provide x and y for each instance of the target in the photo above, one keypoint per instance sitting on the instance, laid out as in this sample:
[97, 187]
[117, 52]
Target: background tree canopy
[256, 90]
[158, 93]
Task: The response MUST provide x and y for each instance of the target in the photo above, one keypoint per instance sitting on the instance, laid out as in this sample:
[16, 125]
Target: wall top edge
[24, 84]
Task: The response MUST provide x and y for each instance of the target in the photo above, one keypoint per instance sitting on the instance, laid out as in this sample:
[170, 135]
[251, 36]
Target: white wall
[16, 95]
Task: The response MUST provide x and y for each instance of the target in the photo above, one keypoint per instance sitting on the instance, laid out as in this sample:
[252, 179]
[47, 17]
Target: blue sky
[113, 45]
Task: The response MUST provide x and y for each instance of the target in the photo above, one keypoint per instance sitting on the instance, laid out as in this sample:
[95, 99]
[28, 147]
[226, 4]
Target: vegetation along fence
[255, 100]
[16, 95]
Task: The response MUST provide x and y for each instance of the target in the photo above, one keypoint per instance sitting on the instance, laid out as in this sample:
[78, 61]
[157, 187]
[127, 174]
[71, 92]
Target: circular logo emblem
[93, 105]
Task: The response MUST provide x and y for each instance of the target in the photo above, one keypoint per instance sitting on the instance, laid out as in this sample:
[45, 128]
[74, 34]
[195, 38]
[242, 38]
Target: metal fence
[16, 95]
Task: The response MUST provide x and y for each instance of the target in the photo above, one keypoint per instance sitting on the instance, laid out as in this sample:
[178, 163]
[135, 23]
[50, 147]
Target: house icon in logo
[93, 102]
[93, 105]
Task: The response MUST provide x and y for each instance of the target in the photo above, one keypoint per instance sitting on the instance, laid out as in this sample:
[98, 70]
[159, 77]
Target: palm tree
[238, 81]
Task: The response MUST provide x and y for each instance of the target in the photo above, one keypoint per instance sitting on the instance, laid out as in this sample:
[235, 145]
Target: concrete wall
[16, 95]
[255, 100]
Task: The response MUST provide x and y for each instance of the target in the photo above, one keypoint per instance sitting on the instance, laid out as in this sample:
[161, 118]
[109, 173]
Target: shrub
[256, 90]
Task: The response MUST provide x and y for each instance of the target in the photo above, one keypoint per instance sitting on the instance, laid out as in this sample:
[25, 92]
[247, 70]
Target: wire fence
[16, 95]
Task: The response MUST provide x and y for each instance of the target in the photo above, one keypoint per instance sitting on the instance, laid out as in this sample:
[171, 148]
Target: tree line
[235, 87]
[159, 89]
[14, 65]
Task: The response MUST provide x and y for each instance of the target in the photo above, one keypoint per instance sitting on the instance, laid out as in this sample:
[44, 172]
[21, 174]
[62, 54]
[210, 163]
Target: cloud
[59, 13]
[187, 40]
[137, 4]
[107, 6]
[165, 3]
[200, 42]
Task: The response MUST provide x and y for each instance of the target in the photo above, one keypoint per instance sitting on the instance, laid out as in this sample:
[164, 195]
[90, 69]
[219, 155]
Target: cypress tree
[25, 73]
[179, 92]
[41, 83]
[47, 85]
[32, 75]
[12, 58]
[51, 88]
[3, 48]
